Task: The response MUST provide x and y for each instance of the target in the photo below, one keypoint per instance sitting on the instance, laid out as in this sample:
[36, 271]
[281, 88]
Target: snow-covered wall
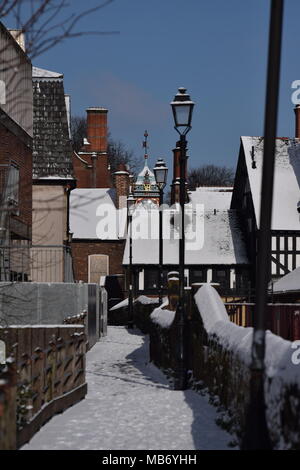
[229, 346]
[218, 355]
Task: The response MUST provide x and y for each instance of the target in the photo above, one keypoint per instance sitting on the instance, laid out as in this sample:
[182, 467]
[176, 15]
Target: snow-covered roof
[211, 238]
[48, 74]
[145, 185]
[148, 173]
[286, 180]
[288, 283]
[218, 198]
[84, 211]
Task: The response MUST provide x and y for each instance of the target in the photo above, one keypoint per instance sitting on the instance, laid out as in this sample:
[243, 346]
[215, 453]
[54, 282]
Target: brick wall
[218, 360]
[84, 173]
[93, 172]
[81, 249]
[122, 182]
[97, 129]
[14, 149]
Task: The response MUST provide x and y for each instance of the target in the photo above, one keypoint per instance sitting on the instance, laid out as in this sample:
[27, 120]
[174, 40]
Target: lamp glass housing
[161, 173]
[130, 204]
[182, 107]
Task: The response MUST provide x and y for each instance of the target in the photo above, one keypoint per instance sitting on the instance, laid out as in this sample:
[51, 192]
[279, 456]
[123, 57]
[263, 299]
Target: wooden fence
[8, 425]
[50, 374]
[282, 319]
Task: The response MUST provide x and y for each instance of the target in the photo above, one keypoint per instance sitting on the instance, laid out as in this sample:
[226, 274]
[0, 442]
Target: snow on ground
[131, 406]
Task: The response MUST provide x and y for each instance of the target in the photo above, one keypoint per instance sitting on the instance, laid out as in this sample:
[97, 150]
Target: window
[151, 279]
[198, 275]
[222, 276]
[243, 280]
[98, 266]
[13, 182]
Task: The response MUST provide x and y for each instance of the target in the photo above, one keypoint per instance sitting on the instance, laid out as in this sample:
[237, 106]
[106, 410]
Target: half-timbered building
[285, 255]
[215, 246]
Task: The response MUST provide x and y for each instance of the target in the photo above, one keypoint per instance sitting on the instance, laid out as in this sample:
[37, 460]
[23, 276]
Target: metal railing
[37, 263]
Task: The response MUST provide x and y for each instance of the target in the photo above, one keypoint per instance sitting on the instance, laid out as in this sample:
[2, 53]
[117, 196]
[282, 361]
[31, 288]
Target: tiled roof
[52, 151]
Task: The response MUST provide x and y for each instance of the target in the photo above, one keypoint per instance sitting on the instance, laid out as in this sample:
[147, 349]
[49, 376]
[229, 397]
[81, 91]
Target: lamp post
[256, 435]
[182, 108]
[130, 209]
[161, 174]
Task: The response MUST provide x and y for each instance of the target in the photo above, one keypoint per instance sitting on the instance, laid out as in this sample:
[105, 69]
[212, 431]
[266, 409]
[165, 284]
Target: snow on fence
[218, 354]
[50, 363]
[229, 350]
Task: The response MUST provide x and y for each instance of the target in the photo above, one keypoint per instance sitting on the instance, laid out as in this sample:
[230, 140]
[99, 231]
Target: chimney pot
[122, 183]
[297, 123]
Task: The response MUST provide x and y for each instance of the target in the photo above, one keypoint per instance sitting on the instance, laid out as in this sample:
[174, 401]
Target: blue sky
[215, 48]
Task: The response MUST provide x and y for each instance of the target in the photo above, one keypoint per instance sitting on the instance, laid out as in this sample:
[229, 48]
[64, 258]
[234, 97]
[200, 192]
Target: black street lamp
[161, 174]
[256, 435]
[182, 107]
[130, 209]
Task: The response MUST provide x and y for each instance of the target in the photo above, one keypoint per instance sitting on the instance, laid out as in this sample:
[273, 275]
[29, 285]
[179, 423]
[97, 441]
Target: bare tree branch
[210, 175]
[45, 23]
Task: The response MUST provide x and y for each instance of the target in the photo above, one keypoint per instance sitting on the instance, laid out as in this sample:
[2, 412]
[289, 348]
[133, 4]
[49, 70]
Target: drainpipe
[94, 169]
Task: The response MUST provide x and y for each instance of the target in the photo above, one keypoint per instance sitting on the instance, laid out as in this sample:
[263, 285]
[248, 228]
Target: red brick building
[95, 252]
[16, 130]
[97, 244]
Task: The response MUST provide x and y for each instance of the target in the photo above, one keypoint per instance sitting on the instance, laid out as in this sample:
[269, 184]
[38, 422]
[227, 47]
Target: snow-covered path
[131, 406]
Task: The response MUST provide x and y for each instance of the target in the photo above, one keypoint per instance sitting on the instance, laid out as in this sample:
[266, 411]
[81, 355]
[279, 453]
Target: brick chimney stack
[175, 186]
[297, 113]
[122, 183]
[97, 129]
[91, 165]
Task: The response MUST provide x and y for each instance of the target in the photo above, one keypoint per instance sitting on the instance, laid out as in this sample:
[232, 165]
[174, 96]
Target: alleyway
[130, 405]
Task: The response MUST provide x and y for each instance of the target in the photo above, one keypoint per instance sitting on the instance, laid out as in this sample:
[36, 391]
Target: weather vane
[145, 145]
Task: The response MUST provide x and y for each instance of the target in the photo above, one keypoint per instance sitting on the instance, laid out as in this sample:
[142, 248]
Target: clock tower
[145, 189]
